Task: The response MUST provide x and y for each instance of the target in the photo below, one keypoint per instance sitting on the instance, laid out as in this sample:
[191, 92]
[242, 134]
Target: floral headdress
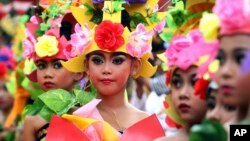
[111, 36]
[234, 16]
[7, 62]
[229, 17]
[43, 39]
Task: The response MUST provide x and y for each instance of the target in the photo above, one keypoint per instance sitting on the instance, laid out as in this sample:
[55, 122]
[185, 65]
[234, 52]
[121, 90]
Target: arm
[29, 129]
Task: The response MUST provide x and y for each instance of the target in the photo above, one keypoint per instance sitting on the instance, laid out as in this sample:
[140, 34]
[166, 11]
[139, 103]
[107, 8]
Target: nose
[226, 71]
[107, 68]
[49, 73]
[185, 92]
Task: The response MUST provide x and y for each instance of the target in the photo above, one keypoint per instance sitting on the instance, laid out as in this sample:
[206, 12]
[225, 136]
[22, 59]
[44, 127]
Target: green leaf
[97, 16]
[137, 18]
[90, 9]
[154, 18]
[44, 15]
[33, 109]
[83, 97]
[166, 36]
[44, 26]
[59, 100]
[170, 20]
[117, 6]
[46, 113]
[180, 5]
[54, 10]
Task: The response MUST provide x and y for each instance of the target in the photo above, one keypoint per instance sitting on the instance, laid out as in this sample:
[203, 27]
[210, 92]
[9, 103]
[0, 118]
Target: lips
[107, 81]
[48, 85]
[226, 89]
[184, 108]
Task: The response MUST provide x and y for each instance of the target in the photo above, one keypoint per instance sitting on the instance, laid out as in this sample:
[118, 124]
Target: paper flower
[79, 40]
[46, 46]
[139, 41]
[29, 45]
[108, 35]
[209, 26]
[158, 28]
[231, 11]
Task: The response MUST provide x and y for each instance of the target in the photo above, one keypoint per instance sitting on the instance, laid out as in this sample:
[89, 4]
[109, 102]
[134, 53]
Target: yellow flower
[46, 46]
[209, 26]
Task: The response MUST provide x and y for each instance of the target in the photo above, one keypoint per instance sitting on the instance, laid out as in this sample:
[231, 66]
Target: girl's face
[232, 51]
[191, 108]
[218, 111]
[52, 75]
[109, 72]
[6, 100]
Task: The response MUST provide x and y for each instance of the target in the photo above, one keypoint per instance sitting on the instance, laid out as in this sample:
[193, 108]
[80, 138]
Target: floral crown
[192, 49]
[231, 11]
[43, 39]
[230, 17]
[111, 36]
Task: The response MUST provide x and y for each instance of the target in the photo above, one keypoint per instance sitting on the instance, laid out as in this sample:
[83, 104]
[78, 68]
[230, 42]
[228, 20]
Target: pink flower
[80, 40]
[29, 45]
[158, 28]
[231, 12]
[139, 41]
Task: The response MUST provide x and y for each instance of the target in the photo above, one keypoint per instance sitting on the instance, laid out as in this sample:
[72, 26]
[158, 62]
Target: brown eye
[177, 82]
[97, 60]
[41, 65]
[57, 65]
[221, 57]
[118, 60]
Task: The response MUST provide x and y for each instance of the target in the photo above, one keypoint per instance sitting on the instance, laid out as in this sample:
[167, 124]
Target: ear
[79, 75]
[135, 67]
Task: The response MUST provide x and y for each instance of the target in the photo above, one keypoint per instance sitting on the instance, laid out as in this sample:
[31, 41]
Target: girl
[46, 43]
[234, 43]
[110, 55]
[187, 81]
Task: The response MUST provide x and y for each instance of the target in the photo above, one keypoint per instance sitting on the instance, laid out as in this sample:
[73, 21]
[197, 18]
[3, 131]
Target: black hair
[126, 19]
[65, 29]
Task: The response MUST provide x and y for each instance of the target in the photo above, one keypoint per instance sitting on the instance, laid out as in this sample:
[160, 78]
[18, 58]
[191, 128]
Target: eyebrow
[241, 49]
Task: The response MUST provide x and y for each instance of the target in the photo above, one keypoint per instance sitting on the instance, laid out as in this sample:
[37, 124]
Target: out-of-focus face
[218, 111]
[52, 75]
[243, 89]
[190, 107]
[108, 72]
[6, 100]
[232, 51]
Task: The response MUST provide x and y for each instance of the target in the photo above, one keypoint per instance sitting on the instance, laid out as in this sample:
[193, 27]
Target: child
[111, 54]
[47, 43]
[234, 44]
[187, 81]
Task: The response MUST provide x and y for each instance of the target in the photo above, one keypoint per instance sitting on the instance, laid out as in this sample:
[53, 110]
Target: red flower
[3, 69]
[108, 35]
[200, 88]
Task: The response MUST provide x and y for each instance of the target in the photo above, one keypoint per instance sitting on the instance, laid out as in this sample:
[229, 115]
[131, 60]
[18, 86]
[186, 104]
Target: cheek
[175, 97]
[40, 77]
[200, 107]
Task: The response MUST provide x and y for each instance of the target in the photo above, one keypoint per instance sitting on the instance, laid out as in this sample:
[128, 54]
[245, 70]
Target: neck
[114, 101]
